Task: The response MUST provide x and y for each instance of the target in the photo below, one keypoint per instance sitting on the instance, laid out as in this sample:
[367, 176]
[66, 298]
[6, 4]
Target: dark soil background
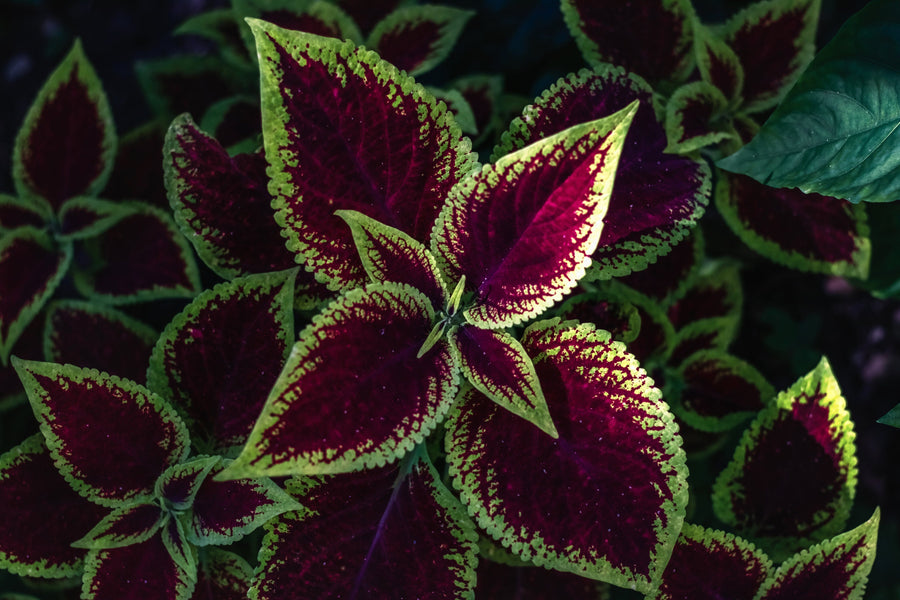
[791, 318]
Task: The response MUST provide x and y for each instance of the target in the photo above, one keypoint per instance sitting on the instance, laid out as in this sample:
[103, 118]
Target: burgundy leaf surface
[708, 564]
[657, 196]
[417, 38]
[124, 526]
[222, 203]
[651, 38]
[81, 412]
[119, 344]
[793, 475]
[384, 534]
[503, 582]
[217, 359]
[16, 212]
[618, 458]
[225, 511]
[31, 266]
[346, 130]
[135, 174]
[142, 257]
[521, 229]
[223, 576]
[353, 393]
[803, 231]
[388, 254]
[774, 42]
[142, 571]
[668, 276]
[66, 145]
[42, 514]
[178, 485]
[837, 568]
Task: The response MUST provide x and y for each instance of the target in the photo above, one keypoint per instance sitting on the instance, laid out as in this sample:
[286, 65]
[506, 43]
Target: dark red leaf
[66, 145]
[346, 130]
[138, 572]
[383, 534]
[42, 514]
[119, 344]
[82, 411]
[142, 257]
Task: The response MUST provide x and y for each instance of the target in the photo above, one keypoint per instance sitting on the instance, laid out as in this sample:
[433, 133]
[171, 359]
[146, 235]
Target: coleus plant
[58, 226]
[401, 404]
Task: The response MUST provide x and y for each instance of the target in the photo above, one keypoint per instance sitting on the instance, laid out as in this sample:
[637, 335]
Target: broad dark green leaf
[835, 133]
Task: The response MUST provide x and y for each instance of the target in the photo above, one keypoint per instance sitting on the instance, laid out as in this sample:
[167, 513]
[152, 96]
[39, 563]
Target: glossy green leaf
[836, 131]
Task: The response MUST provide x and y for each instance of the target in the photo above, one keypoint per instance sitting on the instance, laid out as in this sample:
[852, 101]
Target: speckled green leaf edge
[129, 393]
[856, 546]
[448, 20]
[74, 67]
[24, 314]
[727, 488]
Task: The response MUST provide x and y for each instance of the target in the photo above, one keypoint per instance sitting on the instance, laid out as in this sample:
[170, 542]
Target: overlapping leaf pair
[744, 67]
[130, 251]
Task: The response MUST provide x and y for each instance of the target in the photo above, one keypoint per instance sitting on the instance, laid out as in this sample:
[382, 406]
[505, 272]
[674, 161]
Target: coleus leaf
[124, 526]
[604, 406]
[709, 564]
[670, 275]
[31, 267]
[715, 333]
[151, 573]
[178, 484]
[28, 346]
[42, 514]
[497, 365]
[608, 32]
[558, 189]
[713, 291]
[218, 358]
[395, 160]
[235, 123]
[120, 345]
[835, 132]
[222, 576]
[697, 116]
[223, 512]
[621, 319]
[504, 582]
[718, 64]
[658, 197]
[793, 475]
[656, 334]
[221, 203]
[353, 393]
[388, 254]
[142, 257]
[459, 106]
[385, 533]
[367, 13]
[415, 39]
[83, 217]
[803, 231]
[719, 391]
[81, 412]
[20, 212]
[187, 84]
[320, 17]
[180, 549]
[71, 111]
[774, 40]
[483, 94]
[836, 568]
[135, 173]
